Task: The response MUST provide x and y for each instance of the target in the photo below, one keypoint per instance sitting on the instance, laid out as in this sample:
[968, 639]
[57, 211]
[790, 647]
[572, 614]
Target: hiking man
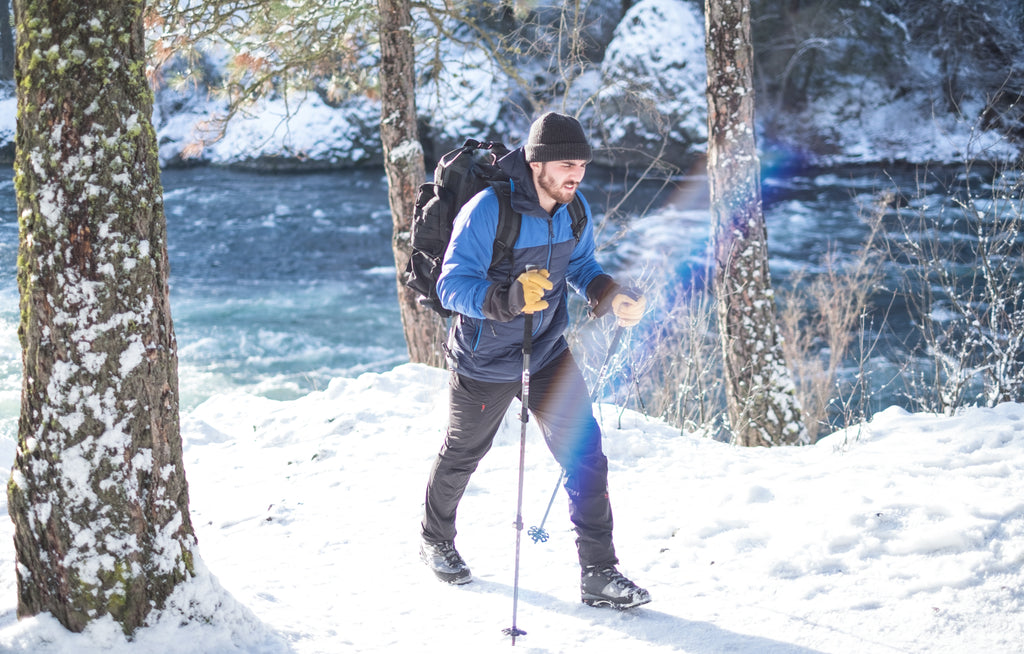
[485, 351]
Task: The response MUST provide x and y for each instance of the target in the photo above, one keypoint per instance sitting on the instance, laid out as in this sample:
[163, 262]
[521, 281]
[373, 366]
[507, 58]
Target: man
[485, 351]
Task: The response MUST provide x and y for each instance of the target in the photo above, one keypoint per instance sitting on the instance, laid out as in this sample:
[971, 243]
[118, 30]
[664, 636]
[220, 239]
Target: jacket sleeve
[462, 285]
[585, 274]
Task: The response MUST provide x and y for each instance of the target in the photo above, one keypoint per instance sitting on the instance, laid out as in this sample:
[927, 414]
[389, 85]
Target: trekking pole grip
[528, 334]
[528, 326]
[527, 351]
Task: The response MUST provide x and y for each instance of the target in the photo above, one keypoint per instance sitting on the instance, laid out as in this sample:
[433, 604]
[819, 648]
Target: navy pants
[560, 403]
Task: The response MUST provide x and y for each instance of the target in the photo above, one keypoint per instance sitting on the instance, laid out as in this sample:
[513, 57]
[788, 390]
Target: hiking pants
[560, 403]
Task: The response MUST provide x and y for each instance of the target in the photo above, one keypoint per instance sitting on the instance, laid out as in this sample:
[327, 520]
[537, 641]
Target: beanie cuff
[541, 152]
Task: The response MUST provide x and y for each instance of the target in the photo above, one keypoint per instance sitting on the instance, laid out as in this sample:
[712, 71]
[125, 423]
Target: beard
[560, 193]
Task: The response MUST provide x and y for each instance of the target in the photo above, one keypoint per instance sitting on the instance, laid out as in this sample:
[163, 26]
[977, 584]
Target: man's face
[558, 179]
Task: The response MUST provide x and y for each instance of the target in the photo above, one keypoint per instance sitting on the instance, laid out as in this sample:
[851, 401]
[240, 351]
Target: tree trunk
[6, 42]
[403, 162]
[98, 492]
[762, 405]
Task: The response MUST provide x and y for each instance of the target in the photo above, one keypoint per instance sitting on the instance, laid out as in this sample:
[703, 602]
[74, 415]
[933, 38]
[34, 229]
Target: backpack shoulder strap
[578, 215]
[509, 223]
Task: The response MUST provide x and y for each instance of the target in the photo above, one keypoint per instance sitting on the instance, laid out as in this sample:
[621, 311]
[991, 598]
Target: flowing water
[281, 282]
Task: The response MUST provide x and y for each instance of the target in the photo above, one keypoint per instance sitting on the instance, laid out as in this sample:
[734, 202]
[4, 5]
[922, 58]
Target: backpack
[459, 175]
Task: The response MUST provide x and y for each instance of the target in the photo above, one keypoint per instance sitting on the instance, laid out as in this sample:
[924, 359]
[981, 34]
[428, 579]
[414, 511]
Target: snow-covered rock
[652, 85]
[641, 94]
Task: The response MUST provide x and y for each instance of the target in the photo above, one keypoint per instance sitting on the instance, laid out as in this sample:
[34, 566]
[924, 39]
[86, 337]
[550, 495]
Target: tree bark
[6, 42]
[762, 405]
[403, 162]
[98, 492]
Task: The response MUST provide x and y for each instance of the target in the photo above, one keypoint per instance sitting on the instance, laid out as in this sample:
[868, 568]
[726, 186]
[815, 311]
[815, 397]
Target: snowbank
[905, 534]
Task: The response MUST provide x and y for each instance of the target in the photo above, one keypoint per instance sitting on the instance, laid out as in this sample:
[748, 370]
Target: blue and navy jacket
[485, 342]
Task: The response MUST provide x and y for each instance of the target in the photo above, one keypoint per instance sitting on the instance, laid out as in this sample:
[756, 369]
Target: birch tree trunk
[98, 492]
[762, 404]
[403, 162]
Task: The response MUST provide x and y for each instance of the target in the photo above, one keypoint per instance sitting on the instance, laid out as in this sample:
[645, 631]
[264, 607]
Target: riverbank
[307, 136]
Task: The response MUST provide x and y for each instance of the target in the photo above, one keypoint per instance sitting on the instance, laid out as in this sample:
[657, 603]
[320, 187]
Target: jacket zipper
[537, 324]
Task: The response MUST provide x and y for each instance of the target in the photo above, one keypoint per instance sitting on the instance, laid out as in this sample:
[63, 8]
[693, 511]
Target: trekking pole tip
[513, 631]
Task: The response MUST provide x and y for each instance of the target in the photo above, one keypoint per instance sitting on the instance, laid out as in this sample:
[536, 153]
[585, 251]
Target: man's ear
[536, 166]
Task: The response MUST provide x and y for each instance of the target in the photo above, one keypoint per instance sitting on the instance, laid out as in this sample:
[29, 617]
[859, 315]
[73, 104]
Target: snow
[904, 534]
[656, 66]
[301, 126]
[659, 43]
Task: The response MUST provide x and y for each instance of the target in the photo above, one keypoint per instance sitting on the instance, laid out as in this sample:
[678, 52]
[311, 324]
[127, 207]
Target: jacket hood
[524, 193]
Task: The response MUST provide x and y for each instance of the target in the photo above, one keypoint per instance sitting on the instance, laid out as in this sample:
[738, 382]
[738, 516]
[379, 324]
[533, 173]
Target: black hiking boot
[445, 562]
[605, 586]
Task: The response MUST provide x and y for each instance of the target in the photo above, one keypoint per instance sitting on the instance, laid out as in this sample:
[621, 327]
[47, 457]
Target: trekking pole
[524, 416]
[538, 534]
[636, 387]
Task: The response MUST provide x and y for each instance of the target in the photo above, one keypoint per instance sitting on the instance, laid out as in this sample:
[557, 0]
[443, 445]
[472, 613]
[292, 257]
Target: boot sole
[602, 602]
[454, 578]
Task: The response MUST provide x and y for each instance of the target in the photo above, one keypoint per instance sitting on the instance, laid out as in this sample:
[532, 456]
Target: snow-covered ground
[902, 535]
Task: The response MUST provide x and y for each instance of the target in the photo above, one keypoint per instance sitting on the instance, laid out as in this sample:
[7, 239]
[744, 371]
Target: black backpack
[459, 175]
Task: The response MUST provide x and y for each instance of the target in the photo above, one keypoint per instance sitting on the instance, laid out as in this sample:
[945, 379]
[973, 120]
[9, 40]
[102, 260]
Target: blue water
[280, 283]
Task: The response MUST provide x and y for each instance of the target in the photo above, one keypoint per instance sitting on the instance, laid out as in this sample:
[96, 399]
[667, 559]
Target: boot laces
[615, 577]
[449, 554]
[609, 575]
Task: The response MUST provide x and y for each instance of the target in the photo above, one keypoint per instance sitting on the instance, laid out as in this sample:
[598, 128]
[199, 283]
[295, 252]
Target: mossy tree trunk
[98, 492]
[403, 162]
[761, 399]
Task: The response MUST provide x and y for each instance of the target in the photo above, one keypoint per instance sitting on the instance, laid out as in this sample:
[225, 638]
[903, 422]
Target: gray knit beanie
[557, 137]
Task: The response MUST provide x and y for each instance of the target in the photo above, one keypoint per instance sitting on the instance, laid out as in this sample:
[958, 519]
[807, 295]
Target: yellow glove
[628, 309]
[534, 283]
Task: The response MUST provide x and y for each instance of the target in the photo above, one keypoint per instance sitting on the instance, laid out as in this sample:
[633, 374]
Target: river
[281, 282]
